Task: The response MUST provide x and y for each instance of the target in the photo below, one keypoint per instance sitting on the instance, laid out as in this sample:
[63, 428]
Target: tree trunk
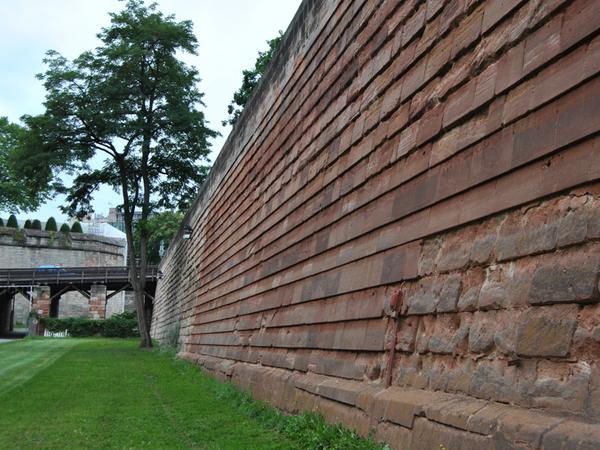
[143, 320]
[137, 275]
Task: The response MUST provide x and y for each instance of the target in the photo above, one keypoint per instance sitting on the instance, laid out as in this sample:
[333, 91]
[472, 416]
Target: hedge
[119, 325]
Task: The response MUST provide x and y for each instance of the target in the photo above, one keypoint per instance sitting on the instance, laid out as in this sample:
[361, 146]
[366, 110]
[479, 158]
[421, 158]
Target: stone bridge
[45, 286]
[403, 229]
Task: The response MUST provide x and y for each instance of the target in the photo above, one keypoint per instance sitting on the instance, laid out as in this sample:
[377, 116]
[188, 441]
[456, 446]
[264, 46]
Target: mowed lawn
[107, 393]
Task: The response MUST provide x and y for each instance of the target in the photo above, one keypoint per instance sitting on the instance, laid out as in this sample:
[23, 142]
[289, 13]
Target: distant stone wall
[31, 248]
[446, 150]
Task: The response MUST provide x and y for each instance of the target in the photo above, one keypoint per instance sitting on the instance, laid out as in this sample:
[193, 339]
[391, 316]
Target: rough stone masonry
[446, 151]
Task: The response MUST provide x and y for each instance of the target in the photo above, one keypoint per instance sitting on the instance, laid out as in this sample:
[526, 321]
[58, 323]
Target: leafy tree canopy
[161, 227]
[24, 184]
[134, 102]
[250, 80]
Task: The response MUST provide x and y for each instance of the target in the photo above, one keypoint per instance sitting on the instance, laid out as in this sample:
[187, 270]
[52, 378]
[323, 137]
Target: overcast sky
[229, 32]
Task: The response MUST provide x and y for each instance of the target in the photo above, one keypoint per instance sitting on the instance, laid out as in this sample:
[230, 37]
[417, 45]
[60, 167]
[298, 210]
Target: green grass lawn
[107, 393]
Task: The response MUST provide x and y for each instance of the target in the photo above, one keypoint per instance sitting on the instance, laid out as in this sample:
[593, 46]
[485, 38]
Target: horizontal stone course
[445, 150]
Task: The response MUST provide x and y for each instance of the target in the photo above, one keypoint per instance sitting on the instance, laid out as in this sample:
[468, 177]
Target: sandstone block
[455, 411]
[396, 436]
[546, 331]
[429, 435]
[572, 280]
[402, 405]
[449, 294]
[485, 420]
[572, 434]
[521, 425]
[572, 229]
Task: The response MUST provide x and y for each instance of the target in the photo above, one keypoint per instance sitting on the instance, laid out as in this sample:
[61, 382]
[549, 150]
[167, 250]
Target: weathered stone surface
[573, 435]
[482, 332]
[485, 420]
[402, 405]
[521, 426]
[423, 296]
[574, 280]
[429, 435]
[396, 436]
[572, 229]
[449, 294]
[429, 252]
[546, 331]
[455, 411]
[395, 147]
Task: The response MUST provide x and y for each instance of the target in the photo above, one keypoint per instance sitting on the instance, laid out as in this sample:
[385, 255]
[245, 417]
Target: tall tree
[250, 79]
[133, 101]
[21, 186]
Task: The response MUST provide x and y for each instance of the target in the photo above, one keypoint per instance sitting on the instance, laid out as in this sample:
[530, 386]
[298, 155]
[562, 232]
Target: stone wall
[31, 248]
[445, 150]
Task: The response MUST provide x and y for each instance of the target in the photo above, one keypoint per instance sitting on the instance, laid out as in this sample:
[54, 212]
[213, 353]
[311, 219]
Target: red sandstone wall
[449, 150]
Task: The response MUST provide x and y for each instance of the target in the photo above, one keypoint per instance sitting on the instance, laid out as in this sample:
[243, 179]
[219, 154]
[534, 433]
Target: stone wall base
[407, 418]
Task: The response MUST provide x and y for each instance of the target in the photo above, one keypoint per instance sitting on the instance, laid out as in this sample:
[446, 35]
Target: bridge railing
[65, 275]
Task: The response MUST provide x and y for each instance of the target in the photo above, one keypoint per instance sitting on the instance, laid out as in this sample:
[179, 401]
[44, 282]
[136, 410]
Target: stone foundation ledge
[403, 417]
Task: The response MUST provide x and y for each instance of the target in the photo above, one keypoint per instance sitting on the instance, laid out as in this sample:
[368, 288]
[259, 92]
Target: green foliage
[160, 227]
[64, 228]
[19, 236]
[27, 225]
[36, 225]
[51, 224]
[133, 101]
[250, 81]
[119, 325]
[78, 327]
[12, 222]
[22, 186]
[307, 430]
[1, 222]
[76, 228]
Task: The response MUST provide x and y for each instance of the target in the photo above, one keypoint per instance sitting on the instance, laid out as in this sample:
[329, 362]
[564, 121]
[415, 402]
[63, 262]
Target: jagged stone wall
[446, 150]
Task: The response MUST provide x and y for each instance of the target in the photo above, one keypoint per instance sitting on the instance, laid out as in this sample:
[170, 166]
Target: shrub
[64, 228]
[27, 225]
[119, 325]
[76, 228]
[36, 225]
[1, 222]
[78, 327]
[51, 225]
[12, 222]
